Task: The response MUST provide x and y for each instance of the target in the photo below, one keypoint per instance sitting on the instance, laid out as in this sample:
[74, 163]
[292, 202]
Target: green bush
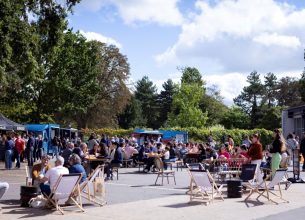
[199, 135]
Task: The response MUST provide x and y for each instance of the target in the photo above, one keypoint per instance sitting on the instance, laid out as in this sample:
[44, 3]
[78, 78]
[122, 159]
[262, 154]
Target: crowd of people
[71, 155]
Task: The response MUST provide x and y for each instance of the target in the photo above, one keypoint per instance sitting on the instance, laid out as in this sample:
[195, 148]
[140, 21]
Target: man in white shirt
[52, 176]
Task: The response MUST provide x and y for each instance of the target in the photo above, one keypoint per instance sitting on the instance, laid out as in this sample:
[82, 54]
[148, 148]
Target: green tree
[212, 103]
[185, 109]
[302, 86]
[165, 100]
[191, 75]
[271, 117]
[27, 48]
[132, 115]
[250, 98]
[288, 92]
[146, 93]
[270, 85]
[72, 83]
[235, 118]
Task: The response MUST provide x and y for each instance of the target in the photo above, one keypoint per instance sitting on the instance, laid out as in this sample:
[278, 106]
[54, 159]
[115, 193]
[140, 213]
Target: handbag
[38, 202]
[99, 186]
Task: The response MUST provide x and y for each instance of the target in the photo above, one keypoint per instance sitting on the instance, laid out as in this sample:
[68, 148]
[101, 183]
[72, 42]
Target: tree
[165, 100]
[146, 93]
[302, 86]
[132, 115]
[271, 117]
[250, 98]
[185, 109]
[113, 94]
[235, 118]
[270, 85]
[72, 83]
[27, 46]
[288, 92]
[212, 103]
[191, 75]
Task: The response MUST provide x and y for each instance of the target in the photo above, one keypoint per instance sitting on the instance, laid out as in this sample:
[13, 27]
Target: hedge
[200, 135]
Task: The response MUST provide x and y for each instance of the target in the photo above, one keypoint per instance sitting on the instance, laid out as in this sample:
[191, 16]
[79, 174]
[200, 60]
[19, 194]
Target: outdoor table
[194, 157]
[93, 158]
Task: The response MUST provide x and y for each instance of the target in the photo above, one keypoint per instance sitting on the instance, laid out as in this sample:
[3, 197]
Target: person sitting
[39, 170]
[95, 150]
[166, 157]
[243, 152]
[76, 167]
[67, 153]
[223, 154]
[52, 176]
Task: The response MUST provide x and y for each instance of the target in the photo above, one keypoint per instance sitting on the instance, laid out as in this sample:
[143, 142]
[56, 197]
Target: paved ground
[134, 196]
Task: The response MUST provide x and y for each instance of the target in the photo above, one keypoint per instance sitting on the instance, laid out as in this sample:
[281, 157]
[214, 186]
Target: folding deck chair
[163, 173]
[203, 186]
[264, 189]
[66, 188]
[88, 187]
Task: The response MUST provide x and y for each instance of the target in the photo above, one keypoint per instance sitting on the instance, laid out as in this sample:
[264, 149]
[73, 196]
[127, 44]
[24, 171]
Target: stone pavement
[134, 196]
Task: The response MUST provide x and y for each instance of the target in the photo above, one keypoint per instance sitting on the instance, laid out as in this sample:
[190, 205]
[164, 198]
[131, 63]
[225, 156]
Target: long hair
[279, 136]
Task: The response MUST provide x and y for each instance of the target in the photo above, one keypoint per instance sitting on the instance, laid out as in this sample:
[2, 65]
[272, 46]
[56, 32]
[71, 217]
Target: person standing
[255, 154]
[30, 149]
[9, 148]
[276, 149]
[19, 146]
[302, 150]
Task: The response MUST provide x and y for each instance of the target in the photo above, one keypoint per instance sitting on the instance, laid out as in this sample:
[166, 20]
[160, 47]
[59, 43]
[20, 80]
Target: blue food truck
[164, 135]
[48, 132]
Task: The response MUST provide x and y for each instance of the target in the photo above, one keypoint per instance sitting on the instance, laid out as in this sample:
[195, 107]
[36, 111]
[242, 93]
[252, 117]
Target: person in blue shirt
[9, 148]
[77, 167]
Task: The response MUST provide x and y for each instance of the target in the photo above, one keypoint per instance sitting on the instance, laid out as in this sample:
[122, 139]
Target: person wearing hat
[40, 169]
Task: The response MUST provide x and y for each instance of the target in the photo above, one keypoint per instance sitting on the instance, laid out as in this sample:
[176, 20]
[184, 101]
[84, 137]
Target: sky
[224, 39]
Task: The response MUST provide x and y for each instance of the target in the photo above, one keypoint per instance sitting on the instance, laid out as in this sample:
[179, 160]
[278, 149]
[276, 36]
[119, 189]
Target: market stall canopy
[9, 125]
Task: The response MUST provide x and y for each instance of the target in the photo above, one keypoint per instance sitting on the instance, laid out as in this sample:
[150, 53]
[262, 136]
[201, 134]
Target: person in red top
[224, 154]
[19, 146]
[256, 154]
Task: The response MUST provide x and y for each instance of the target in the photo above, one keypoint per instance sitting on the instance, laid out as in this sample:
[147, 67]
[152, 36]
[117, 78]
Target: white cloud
[163, 12]
[101, 38]
[278, 40]
[240, 36]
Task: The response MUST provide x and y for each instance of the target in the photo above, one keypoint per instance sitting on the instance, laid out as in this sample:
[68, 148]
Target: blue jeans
[55, 151]
[30, 156]
[18, 160]
[8, 159]
[45, 189]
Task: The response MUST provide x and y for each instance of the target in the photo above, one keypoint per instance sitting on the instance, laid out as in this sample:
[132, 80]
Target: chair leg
[156, 179]
[174, 179]
[167, 179]
[162, 178]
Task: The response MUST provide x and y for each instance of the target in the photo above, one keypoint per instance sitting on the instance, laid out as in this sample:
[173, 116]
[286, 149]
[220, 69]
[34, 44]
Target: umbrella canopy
[7, 124]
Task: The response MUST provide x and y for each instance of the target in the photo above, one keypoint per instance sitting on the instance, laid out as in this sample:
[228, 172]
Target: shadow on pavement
[184, 205]
[12, 207]
[252, 203]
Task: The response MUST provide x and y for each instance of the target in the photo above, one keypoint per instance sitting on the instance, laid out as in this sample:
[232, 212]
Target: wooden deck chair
[28, 175]
[93, 188]
[66, 188]
[203, 186]
[264, 189]
[163, 173]
[248, 172]
[193, 166]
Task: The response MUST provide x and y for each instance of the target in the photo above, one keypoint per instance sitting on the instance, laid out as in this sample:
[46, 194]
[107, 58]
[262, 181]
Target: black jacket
[302, 146]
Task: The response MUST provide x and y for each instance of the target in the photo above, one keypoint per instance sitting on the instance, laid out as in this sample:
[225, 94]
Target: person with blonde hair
[277, 147]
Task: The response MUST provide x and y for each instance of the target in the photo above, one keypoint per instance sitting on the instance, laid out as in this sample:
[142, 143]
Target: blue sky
[224, 39]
